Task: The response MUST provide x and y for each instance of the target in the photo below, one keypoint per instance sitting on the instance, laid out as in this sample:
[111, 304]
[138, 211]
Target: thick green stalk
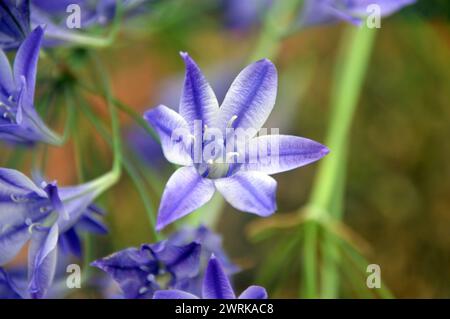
[347, 83]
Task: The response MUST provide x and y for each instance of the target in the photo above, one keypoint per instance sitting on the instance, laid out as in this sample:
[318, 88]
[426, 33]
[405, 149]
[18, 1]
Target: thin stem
[276, 24]
[348, 79]
[136, 179]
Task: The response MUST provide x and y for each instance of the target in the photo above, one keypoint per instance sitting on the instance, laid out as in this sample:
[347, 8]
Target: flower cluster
[219, 148]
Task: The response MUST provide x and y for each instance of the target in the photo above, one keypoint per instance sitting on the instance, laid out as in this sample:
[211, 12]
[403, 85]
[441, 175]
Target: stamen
[31, 227]
[144, 268]
[18, 199]
[143, 290]
[231, 121]
[230, 155]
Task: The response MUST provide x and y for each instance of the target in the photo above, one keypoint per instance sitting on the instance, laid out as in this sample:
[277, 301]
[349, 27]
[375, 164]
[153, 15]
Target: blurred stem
[276, 24]
[349, 74]
[135, 177]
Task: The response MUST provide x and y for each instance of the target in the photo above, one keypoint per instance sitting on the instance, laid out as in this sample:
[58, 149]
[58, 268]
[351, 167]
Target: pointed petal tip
[265, 61]
[324, 151]
[187, 59]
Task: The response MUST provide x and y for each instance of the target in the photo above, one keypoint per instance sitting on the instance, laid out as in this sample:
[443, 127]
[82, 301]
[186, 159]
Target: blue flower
[317, 12]
[239, 174]
[178, 262]
[216, 285]
[18, 18]
[19, 121]
[14, 23]
[211, 243]
[243, 15]
[45, 215]
[141, 271]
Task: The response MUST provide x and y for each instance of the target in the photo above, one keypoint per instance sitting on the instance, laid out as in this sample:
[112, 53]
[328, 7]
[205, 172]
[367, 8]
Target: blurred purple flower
[19, 121]
[14, 23]
[45, 215]
[317, 12]
[211, 244]
[18, 18]
[215, 286]
[139, 272]
[247, 105]
[243, 15]
[178, 262]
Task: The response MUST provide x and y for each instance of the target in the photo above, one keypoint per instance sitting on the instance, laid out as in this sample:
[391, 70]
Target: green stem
[135, 177]
[276, 24]
[347, 84]
[348, 79]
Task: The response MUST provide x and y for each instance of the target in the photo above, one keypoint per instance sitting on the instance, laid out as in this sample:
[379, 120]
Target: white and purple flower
[45, 215]
[241, 173]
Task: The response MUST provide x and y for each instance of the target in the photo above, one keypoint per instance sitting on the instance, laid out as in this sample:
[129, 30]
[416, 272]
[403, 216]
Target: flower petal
[173, 132]
[273, 154]
[250, 98]
[252, 192]
[11, 242]
[198, 101]
[70, 242]
[173, 294]
[130, 268]
[6, 78]
[25, 64]
[185, 191]
[8, 289]
[216, 284]
[14, 182]
[42, 260]
[181, 261]
[254, 292]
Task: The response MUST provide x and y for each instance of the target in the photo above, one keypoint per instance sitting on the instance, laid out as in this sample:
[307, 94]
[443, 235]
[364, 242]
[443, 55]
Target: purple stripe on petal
[216, 284]
[273, 154]
[185, 191]
[252, 192]
[173, 132]
[198, 101]
[173, 294]
[11, 242]
[250, 98]
[25, 64]
[254, 292]
[42, 260]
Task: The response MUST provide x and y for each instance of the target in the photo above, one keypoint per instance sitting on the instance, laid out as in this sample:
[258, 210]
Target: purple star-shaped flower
[215, 286]
[317, 12]
[141, 271]
[19, 121]
[46, 216]
[244, 183]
